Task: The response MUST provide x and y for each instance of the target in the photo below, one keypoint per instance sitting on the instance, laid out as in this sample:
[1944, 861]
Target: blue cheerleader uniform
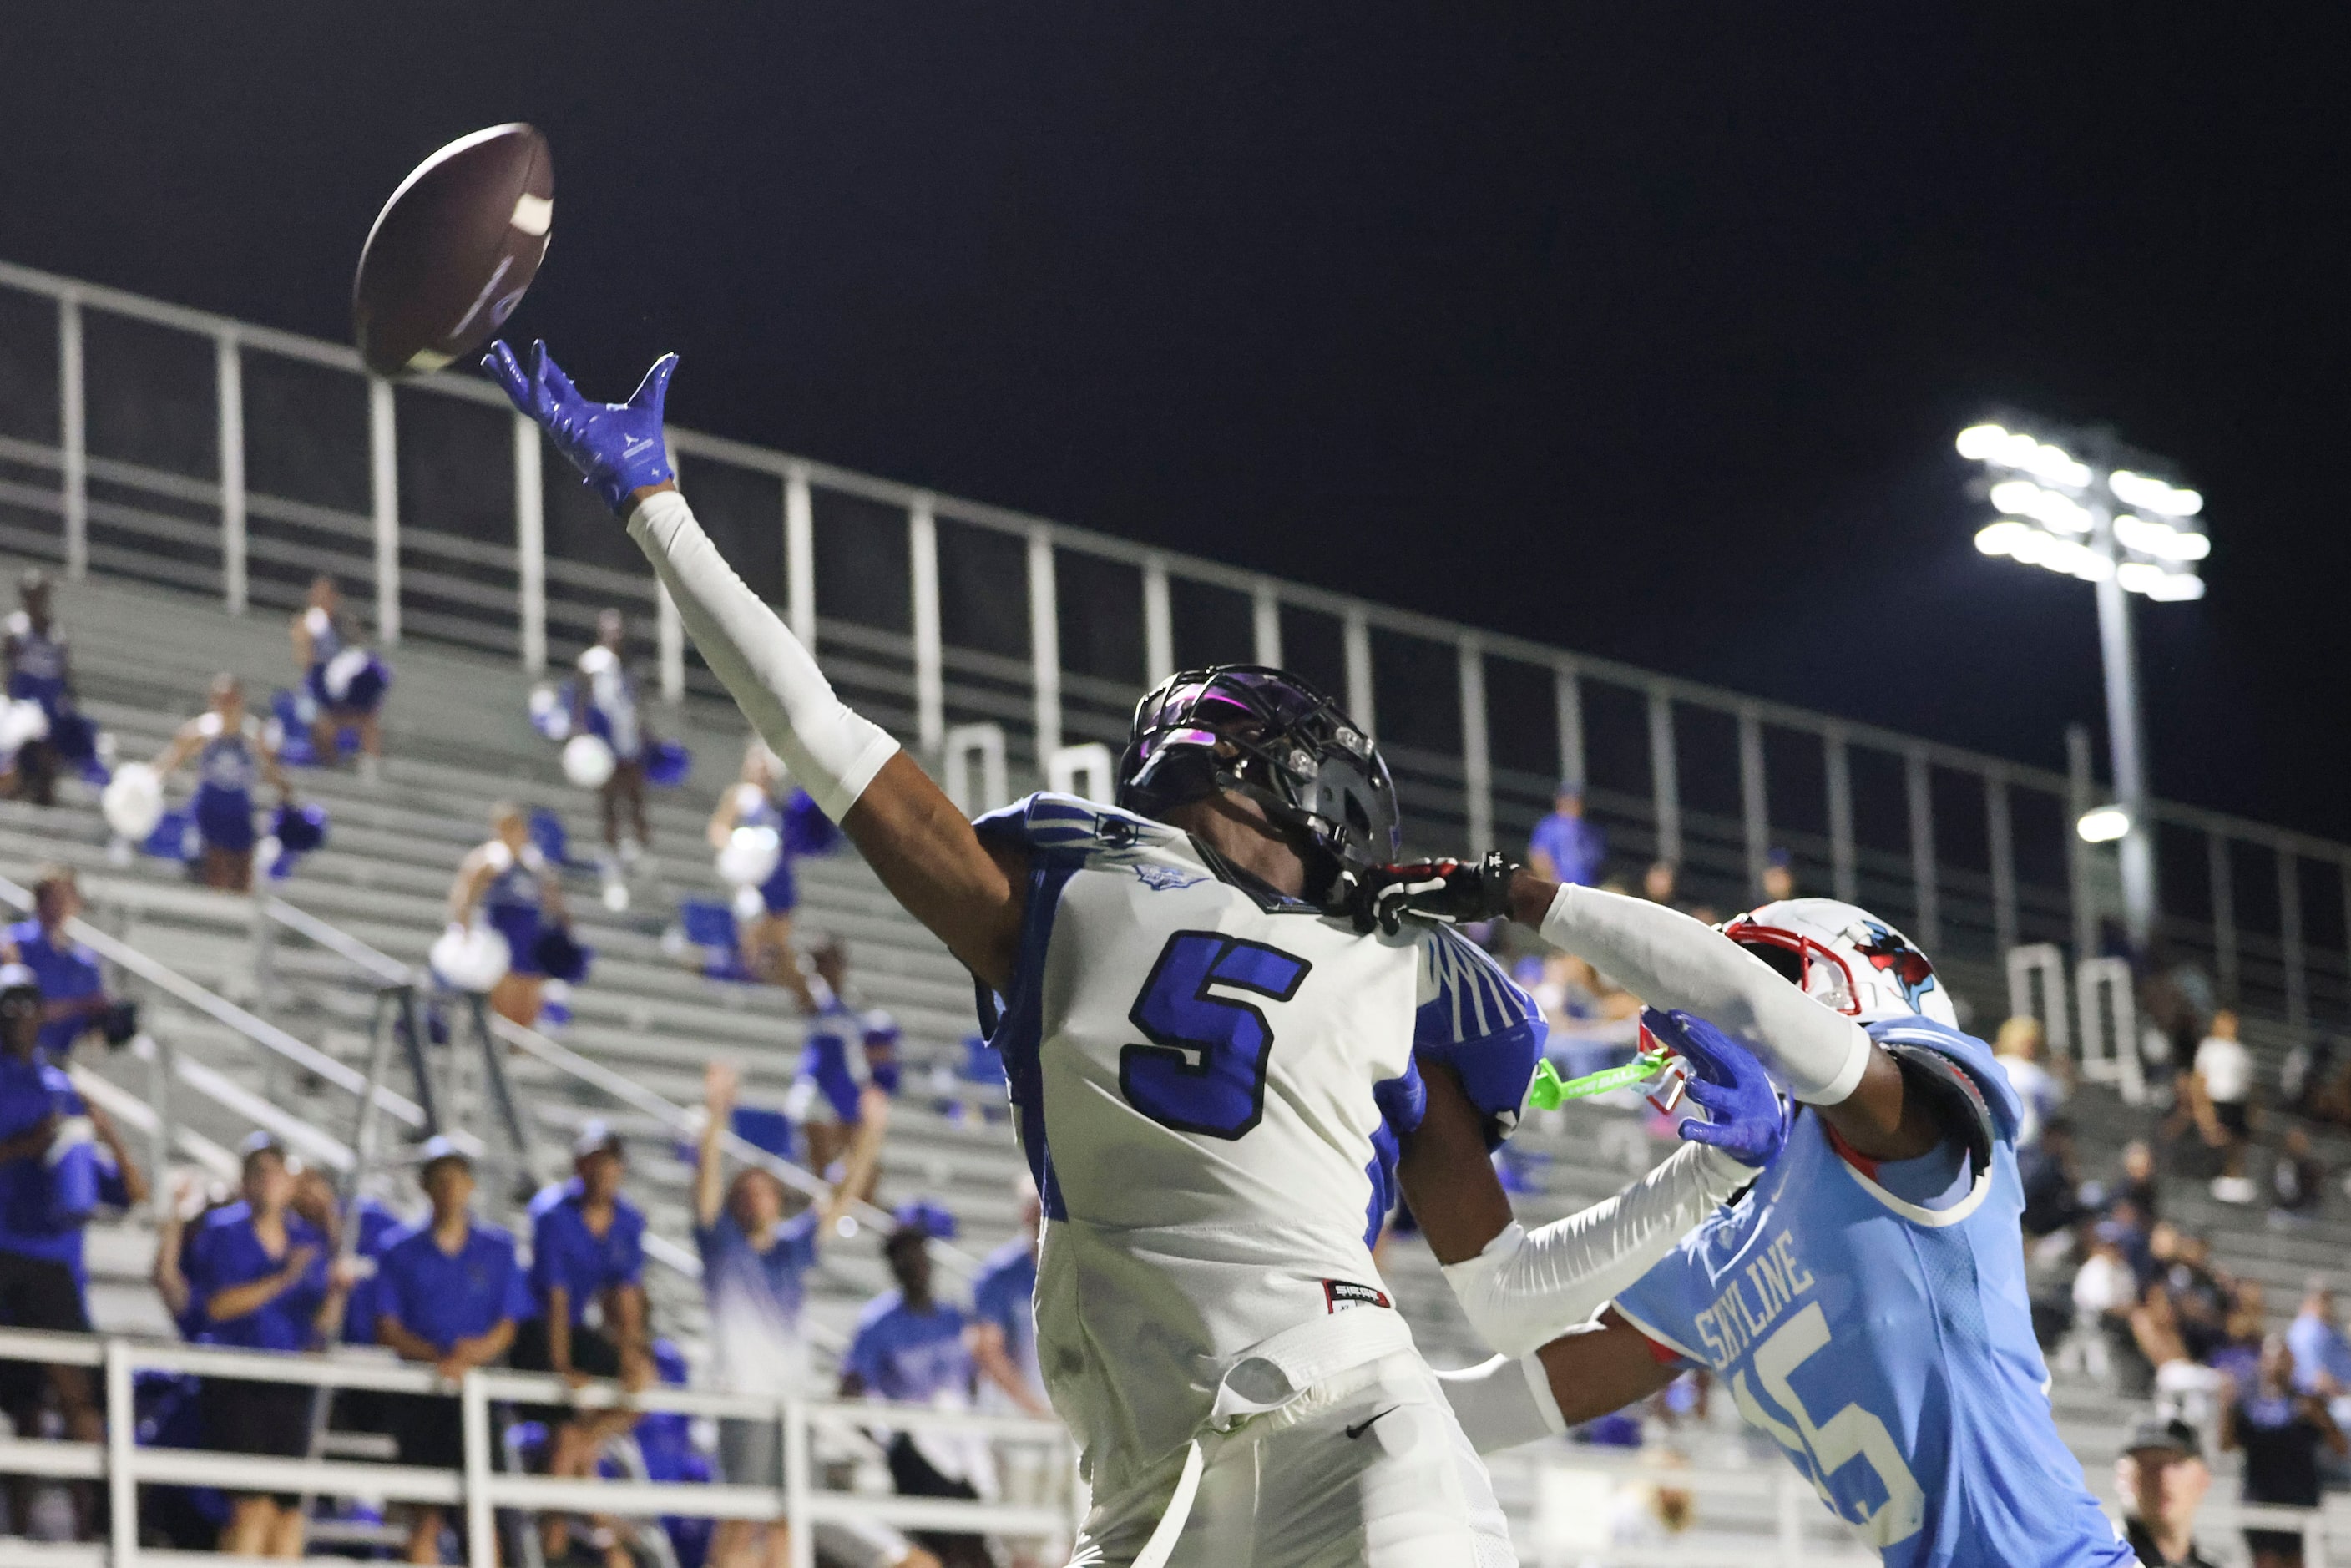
[514, 905]
[228, 766]
[36, 666]
[755, 808]
[609, 692]
[338, 665]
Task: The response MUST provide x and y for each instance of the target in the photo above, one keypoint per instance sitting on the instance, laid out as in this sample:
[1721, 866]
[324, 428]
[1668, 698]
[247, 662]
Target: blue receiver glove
[617, 446]
[1745, 1117]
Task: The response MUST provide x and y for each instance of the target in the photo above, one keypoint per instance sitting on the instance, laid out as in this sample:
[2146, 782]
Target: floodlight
[2103, 825]
[1978, 442]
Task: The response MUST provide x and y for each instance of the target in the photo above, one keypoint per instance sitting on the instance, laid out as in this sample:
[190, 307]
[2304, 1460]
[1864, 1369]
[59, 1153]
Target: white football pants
[1368, 1467]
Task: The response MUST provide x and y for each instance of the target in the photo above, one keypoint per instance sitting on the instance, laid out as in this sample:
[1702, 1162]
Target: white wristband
[833, 751]
[1526, 1289]
[1671, 961]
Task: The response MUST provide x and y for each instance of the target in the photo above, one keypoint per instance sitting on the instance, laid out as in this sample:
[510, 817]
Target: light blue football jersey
[1888, 1347]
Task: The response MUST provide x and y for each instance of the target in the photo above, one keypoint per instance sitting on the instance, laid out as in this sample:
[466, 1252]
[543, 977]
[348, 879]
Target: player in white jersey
[1216, 1077]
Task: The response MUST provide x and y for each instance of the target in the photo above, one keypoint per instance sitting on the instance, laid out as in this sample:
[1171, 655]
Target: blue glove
[1745, 1117]
[618, 446]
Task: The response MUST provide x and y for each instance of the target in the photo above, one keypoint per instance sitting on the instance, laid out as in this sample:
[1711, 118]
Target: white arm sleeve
[1526, 1289]
[1671, 961]
[1503, 1403]
[832, 751]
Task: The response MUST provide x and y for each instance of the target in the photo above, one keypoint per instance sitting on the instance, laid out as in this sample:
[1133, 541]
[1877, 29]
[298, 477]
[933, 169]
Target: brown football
[452, 251]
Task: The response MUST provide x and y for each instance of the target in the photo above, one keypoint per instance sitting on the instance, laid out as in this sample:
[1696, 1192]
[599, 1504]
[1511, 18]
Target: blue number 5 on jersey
[1204, 1071]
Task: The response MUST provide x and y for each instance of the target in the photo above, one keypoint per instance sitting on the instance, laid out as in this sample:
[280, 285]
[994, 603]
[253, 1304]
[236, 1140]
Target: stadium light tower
[2124, 531]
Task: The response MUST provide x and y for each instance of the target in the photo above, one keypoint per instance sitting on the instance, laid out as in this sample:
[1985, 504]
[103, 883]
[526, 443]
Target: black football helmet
[1272, 736]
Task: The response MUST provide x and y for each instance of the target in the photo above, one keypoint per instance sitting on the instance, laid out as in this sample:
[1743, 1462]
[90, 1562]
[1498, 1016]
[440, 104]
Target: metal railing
[187, 448]
[478, 1489]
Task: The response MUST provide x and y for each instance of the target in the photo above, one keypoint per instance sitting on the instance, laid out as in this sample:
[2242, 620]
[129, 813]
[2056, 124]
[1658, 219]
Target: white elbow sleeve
[1503, 1403]
[832, 751]
[1671, 961]
[1527, 1288]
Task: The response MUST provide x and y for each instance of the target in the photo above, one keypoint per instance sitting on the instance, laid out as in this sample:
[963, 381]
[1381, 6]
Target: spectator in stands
[765, 938]
[2224, 1101]
[1661, 883]
[2183, 1388]
[2297, 1178]
[2137, 1186]
[508, 884]
[604, 702]
[2017, 1051]
[59, 1160]
[1779, 875]
[910, 1349]
[2280, 1431]
[40, 671]
[754, 1265]
[1003, 1339]
[73, 988]
[232, 756]
[848, 1072]
[1004, 1318]
[342, 685]
[2052, 1185]
[450, 1292]
[2162, 1479]
[2238, 1356]
[260, 1275]
[1566, 847]
[587, 1244]
[2322, 1356]
[2106, 1291]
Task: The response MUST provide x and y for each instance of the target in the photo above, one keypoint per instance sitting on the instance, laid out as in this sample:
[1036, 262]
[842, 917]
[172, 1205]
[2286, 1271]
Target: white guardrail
[479, 1489]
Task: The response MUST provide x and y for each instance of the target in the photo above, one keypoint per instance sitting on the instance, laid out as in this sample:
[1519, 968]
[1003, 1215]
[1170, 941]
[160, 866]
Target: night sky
[1640, 329]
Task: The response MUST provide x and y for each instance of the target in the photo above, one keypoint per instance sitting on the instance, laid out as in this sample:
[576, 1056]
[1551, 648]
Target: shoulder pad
[19, 623]
[1067, 824]
[1477, 1020]
[1958, 1104]
[1967, 1054]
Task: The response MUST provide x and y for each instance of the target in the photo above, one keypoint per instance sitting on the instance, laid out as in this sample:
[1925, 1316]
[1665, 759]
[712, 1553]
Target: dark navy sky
[1624, 326]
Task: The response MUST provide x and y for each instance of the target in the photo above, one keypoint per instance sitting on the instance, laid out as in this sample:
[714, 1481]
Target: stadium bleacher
[458, 742]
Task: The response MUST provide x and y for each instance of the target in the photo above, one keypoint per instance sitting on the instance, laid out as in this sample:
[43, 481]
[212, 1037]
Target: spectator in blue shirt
[59, 1159]
[849, 1071]
[588, 1248]
[1004, 1316]
[910, 1349]
[2321, 1357]
[260, 1275]
[1565, 847]
[449, 1291]
[73, 989]
[754, 1263]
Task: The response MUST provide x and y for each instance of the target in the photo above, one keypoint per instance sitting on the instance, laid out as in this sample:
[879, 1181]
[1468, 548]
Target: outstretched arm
[925, 852]
[1584, 1374]
[1520, 1289]
[1671, 961]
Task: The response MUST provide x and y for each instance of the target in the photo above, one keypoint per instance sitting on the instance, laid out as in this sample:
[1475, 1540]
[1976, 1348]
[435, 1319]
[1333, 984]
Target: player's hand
[1745, 1117]
[1441, 890]
[616, 446]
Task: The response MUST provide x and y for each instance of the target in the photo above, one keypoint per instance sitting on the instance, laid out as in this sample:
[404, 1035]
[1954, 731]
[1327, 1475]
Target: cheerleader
[604, 703]
[765, 938]
[342, 683]
[509, 885]
[39, 671]
[233, 754]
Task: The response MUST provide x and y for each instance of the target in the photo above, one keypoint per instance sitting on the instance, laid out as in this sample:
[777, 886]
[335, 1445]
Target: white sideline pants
[1291, 1488]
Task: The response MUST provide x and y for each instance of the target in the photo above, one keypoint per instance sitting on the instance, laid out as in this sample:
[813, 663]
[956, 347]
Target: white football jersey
[1209, 1080]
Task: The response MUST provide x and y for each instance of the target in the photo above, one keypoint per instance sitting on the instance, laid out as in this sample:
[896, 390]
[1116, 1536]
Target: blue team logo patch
[1166, 878]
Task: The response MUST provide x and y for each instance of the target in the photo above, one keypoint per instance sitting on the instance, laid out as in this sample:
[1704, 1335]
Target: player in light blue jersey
[1866, 1304]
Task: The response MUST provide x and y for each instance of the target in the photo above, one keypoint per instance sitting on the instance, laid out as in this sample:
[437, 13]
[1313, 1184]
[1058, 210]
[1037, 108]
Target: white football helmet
[1844, 957]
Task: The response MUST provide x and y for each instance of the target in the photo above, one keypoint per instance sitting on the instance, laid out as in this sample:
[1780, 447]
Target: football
[454, 250]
